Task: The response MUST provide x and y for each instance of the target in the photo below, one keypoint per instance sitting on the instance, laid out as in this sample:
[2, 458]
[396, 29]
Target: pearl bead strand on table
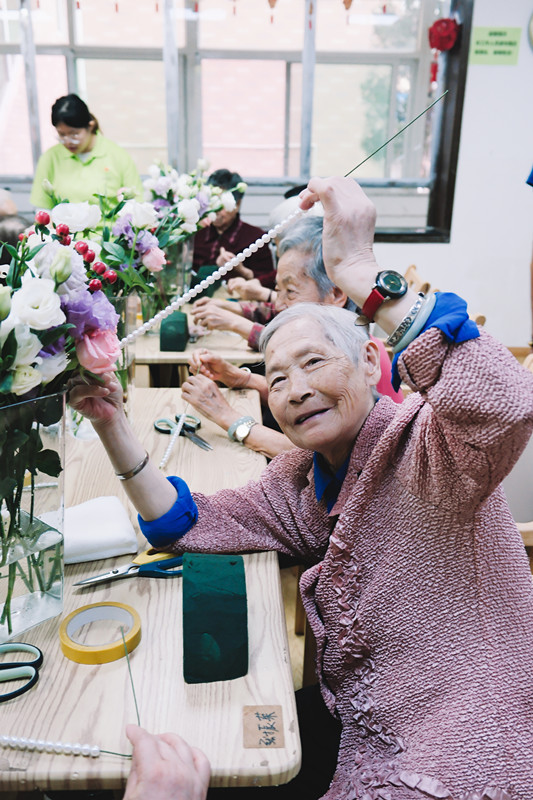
[206, 282]
[42, 746]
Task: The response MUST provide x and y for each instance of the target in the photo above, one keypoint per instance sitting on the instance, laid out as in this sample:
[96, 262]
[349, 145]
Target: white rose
[25, 378]
[28, 344]
[154, 171]
[162, 185]
[228, 201]
[202, 165]
[51, 366]
[188, 227]
[189, 211]
[37, 304]
[78, 216]
[142, 214]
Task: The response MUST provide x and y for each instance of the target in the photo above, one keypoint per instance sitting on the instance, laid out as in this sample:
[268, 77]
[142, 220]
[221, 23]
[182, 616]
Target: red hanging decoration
[116, 8]
[157, 8]
[347, 6]
[272, 4]
[196, 8]
[78, 5]
[310, 16]
[442, 36]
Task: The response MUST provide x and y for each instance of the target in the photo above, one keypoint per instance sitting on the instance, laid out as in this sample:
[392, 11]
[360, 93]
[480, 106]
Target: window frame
[183, 91]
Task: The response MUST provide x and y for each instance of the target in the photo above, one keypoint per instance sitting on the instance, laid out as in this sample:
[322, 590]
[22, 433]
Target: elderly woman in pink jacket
[418, 588]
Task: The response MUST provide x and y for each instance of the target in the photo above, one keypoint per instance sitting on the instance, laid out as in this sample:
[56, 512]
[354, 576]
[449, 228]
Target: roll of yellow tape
[86, 654]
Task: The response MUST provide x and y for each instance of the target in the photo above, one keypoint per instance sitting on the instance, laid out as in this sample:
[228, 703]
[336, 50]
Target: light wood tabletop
[229, 346]
[92, 703]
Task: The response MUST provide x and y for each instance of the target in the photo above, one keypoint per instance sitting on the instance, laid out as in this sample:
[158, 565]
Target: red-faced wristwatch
[389, 285]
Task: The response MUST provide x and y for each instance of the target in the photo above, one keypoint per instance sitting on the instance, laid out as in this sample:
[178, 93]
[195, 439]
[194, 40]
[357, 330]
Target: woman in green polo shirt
[85, 163]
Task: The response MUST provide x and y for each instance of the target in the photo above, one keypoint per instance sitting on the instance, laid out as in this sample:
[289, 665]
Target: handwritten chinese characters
[263, 727]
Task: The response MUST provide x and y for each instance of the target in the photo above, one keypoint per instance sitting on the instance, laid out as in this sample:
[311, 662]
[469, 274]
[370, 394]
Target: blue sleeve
[530, 179]
[451, 317]
[176, 522]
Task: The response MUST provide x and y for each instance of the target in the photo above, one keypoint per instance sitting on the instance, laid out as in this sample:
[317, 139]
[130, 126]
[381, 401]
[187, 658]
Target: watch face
[391, 283]
[242, 431]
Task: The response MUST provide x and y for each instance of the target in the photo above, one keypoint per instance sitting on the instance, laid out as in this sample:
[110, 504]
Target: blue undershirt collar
[326, 484]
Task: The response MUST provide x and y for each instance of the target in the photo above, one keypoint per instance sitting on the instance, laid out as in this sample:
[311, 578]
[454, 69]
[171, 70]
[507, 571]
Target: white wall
[487, 260]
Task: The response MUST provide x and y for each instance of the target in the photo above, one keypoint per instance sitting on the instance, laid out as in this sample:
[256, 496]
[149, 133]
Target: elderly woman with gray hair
[418, 588]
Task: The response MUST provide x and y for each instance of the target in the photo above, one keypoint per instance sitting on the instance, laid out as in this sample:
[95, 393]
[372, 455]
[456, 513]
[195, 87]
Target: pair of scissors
[189, 428]
[149, 564]
[15, 670]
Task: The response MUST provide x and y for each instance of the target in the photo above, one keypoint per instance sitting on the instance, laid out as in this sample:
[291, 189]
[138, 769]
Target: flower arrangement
[51, 324]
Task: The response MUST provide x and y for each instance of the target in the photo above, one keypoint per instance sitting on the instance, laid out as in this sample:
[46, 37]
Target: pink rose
[98, 351]
[154, 259]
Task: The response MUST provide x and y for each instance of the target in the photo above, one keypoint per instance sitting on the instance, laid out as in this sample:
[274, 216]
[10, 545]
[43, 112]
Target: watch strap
[372, 303]
[250, 421]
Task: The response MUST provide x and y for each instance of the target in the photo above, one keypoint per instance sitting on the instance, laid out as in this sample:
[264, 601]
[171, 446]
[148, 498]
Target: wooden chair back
[414, 280]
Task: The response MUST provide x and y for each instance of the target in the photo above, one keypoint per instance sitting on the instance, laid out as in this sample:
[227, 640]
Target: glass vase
[171, 282]
[32, 446]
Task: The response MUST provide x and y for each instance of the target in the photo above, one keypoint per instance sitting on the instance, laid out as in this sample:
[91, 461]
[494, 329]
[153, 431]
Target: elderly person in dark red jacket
[418, 587]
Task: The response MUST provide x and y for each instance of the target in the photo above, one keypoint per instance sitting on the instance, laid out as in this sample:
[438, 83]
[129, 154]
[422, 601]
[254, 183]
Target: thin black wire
[396, 134]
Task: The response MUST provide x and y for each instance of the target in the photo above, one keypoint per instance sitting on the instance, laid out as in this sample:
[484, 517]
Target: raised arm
[151, 494]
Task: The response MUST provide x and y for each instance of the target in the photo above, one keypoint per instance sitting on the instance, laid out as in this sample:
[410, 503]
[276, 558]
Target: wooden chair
[415, 282]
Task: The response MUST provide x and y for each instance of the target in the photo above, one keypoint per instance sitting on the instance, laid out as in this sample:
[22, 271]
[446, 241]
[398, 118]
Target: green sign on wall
[495, 46]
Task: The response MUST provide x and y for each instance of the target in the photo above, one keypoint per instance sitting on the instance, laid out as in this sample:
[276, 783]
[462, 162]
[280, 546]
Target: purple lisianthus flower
[88, 312]
[159, 203]
[122, 227]
[203, 199]
[146, 241]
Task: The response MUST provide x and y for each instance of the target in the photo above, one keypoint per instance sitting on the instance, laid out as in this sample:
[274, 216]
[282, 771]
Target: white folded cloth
[96, 529]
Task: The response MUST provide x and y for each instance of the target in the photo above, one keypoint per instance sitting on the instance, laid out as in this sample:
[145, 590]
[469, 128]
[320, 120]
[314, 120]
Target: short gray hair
[305, 236]
[337, 325]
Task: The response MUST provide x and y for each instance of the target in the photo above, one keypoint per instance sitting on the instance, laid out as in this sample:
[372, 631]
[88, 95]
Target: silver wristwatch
[239, 430]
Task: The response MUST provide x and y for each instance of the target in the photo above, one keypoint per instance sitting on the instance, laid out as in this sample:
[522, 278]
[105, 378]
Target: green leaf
[9, 350]
[115, 250]
[11, 250]
[6, 383]
[53, 334]
[33, 252]
[48, 461]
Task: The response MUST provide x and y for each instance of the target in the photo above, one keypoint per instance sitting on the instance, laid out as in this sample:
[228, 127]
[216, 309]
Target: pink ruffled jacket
[418, 591]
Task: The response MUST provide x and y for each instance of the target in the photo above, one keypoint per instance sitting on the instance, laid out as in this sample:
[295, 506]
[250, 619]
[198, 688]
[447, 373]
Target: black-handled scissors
[149, 564]
[15, 670]
[189, 428]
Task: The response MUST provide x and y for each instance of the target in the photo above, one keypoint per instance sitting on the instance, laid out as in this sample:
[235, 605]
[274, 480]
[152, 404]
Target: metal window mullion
[308, 88]
[171, 68]
[287, 130]
[192, 93]
[27, 48]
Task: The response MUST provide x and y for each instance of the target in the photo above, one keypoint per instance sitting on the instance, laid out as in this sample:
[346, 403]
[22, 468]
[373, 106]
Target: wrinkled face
[292, 284]
[76, 140]
[317, 395]
[225, 218]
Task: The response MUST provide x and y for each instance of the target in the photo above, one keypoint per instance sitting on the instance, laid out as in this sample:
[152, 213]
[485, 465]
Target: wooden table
[226, 344]
[92, 704]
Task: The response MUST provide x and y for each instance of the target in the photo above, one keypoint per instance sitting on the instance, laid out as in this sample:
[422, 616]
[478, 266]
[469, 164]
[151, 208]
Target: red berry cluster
[106, 275]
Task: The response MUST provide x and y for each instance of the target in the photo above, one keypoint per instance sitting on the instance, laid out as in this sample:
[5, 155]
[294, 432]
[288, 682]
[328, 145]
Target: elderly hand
[213, 317]
[217, 369]
[223, 257]
[249, 290]
[164, 767]
[206, 397]
[98, 400]
[349, 222]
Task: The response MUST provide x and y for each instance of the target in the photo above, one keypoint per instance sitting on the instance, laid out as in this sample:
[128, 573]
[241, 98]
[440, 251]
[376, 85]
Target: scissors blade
[113, 574]
[196, 439]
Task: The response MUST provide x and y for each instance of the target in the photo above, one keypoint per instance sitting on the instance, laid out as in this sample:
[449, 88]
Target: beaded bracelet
[420, 320]
[124, 476]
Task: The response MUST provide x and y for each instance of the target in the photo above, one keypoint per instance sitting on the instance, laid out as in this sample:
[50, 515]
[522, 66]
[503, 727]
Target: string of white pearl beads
[43, 746]
[215, 276]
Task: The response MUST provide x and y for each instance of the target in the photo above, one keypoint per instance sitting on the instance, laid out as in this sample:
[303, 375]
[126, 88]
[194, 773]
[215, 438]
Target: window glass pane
[350, 118]
[251, 25]
[15, 147]
[50, 22]
[128, 99]
[243, 129]
[295, 124]
[367, 25]
[124, 23]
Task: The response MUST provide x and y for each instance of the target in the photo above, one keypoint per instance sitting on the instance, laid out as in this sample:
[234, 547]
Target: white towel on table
[96, 529]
